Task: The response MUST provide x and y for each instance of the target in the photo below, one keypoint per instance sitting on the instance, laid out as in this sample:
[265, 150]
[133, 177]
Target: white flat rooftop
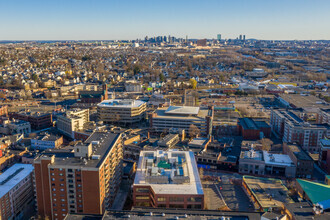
[11, 177]
[193, 187]
[121, 103]
[277, 159]
[182, 110]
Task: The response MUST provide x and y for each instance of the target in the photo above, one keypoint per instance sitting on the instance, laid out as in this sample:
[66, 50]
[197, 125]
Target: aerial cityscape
[150, 110]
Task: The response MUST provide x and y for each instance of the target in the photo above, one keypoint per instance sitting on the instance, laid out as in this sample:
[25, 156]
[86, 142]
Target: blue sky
[132, 19]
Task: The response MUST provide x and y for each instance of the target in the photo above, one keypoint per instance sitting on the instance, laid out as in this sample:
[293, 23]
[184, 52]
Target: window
[176, 199]
[142, 197]
[142, 190]
[161, 199]
[195, 199]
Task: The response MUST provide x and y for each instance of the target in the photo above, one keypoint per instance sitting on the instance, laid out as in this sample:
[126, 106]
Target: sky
[135, 19]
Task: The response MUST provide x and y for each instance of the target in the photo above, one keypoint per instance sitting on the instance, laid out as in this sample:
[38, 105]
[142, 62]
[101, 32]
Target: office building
[293, 129]
[121, 111]
[73, 120]
[16, 192]
[219, 37]
[193, 120]
[38, 120]
[83, 181]
[167, 179]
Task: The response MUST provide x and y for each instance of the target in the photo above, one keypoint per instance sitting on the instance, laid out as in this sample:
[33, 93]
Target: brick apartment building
[324, 158]
[323, 116]
[167, 179]
[253, 129]
[83, 181]
[16, 192]
[304, 163]
[292, 129]
[93, 96]
[38, 120]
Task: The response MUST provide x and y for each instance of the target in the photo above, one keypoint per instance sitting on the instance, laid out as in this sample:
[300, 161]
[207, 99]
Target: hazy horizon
[130, 20]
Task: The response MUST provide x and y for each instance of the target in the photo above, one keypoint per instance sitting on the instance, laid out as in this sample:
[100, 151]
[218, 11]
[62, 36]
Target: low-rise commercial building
[193, 120]
[38, 120]
[264, 163]
[169, 140]
[45, 141]
[167, 179]
[117, 111]
[15, 127]
[16, 192]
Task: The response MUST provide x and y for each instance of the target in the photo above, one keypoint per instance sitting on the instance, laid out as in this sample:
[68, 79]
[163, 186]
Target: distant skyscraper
[244, 37]
[219, 37]
[240, 37]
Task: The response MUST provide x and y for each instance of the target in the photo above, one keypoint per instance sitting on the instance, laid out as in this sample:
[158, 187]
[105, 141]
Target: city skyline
[130, 20]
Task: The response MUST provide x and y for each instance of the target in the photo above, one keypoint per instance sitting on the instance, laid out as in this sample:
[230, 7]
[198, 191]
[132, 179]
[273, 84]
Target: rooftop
[301, 101]
[182, 110]
[268, 192]
[162, 113]
[169, 172]
[252, 154]
[47, 137]
[157, 214]
[304, 211]
[103, 145]
[11, 177]
[299, 153]
[318, 193]
[253, 124]
[277, 159]
[121, 103]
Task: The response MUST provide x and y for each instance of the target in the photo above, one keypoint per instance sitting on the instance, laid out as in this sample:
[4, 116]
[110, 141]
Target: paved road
[121, 196]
